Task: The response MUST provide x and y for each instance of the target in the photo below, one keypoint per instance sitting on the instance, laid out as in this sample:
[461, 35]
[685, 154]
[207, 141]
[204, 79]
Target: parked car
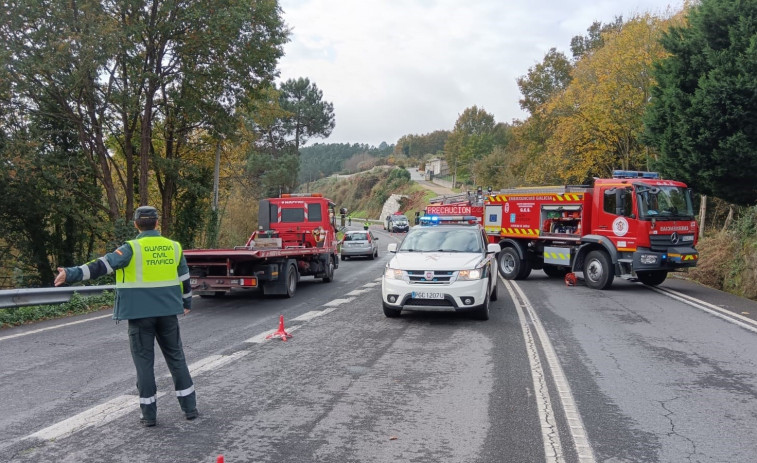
[397, 223]
[359, 244]
[448, 267]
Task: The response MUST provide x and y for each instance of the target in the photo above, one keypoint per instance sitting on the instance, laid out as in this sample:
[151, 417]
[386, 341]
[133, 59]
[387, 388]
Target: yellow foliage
[598, 119]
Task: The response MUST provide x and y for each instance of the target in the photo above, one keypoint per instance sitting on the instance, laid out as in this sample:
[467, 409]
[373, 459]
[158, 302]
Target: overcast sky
[398, 67]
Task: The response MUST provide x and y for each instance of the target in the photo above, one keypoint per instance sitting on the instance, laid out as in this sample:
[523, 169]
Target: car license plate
[427, 295]
[193, 281]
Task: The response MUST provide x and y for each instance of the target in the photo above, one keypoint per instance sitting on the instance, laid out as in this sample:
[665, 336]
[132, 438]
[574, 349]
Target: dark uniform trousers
[143, 332]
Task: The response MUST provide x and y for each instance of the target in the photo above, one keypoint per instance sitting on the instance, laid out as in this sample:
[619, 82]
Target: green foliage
[583, 45]
[321, 160]
[705, 103]
[419, 146]
[473, 138]
[544, 80]
[308, 115]
[78, 304]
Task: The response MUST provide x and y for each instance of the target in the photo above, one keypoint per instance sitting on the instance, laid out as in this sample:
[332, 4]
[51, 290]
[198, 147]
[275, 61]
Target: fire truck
[634, 225]
[296, 237]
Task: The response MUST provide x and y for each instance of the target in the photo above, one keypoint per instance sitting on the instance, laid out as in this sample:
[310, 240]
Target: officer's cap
[145, 212]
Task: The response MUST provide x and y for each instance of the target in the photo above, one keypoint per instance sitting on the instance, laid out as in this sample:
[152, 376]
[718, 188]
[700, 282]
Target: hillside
[365, 193]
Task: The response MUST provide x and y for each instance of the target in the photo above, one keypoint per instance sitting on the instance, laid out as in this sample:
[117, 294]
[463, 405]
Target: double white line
[550, 435]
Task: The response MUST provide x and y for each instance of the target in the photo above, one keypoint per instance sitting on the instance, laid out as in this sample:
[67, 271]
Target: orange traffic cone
[219, 459]
[281, 332]
[570, 279]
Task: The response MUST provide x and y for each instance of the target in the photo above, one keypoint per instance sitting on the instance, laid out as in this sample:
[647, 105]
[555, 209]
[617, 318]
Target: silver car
[359, 244]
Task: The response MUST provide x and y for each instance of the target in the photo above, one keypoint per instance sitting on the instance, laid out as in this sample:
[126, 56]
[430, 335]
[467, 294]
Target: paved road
[557, 374]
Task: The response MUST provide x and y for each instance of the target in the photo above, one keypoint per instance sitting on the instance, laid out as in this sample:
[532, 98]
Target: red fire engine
[296, 237]
[634, 225]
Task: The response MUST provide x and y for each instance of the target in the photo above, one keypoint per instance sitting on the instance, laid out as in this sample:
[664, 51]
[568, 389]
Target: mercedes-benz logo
[674, 238]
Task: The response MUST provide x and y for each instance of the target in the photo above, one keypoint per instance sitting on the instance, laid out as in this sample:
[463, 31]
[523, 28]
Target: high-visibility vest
[154, 264]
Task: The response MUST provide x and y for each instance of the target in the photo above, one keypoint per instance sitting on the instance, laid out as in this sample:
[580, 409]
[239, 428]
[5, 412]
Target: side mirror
[391, 247]
[493, 248]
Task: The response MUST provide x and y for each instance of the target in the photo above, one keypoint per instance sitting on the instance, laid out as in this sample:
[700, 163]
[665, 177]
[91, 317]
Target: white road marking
[727, 315]
[372, 284]
[357, 292]
[337, 302]
[214, 361]
[17, 335]
[308, 315]
[122, 405]
[95, 416]
[575, 423]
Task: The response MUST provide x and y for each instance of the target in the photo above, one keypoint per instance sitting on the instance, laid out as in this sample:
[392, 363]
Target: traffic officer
[152, 288]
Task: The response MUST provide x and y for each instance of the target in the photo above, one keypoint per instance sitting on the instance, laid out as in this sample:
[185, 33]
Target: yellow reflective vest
[149, 285]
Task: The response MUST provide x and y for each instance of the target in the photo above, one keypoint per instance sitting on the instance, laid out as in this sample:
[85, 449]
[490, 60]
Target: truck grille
[438, 277]
[663, 242]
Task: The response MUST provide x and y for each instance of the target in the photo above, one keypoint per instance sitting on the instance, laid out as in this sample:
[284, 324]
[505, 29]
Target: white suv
[447, 267]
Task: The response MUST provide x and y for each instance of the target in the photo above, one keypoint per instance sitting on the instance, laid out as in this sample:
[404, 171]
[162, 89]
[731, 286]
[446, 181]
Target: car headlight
[392, 273]
[474, 274]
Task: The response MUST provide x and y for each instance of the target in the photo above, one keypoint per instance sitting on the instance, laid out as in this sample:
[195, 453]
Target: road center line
[572, 415]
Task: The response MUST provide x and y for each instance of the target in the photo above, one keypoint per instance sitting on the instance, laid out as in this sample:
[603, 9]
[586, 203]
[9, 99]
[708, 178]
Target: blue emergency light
[634, 174]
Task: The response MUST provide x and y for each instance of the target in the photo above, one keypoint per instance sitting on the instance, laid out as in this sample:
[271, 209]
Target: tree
[309, 116]
[582, 45]
[544, 80]
[124, 68]
[703, 108]
[598, 118]
[472, 138]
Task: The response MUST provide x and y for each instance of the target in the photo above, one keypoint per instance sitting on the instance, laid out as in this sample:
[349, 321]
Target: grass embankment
[77, 305]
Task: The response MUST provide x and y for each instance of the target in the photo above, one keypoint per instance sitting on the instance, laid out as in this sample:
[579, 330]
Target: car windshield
[664, 203]
[356, 237]
[438, 239]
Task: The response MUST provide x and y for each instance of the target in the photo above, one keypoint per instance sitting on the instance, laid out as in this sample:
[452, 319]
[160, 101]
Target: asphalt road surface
[558, 373]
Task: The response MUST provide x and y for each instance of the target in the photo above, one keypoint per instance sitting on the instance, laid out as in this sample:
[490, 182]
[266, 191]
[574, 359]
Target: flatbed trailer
[296, 238]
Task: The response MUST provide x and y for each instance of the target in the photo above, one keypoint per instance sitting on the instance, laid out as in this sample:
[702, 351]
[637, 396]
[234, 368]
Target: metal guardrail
[47, 296]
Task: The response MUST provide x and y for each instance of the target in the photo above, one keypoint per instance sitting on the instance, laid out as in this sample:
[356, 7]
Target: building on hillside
[436, 167]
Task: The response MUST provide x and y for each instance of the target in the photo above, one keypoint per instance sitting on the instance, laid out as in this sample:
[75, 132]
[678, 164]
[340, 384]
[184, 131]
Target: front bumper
[459, 296]
[670, 260]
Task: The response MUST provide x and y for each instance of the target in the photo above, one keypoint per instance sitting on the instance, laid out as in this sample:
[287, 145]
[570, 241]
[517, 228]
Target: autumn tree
[598, 119]
[704, 105]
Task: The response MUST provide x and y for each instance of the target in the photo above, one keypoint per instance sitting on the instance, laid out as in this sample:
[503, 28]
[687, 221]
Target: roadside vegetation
[77, 305]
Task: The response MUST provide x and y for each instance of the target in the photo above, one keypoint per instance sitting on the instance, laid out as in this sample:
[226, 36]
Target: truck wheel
[391, 312]
[652, 278]
[329, 276]
[509, 264]
[598, 271]
[291, 281]
[554, 271]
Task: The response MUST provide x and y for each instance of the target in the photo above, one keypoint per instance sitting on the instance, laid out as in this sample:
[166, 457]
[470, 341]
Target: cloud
[394, 67]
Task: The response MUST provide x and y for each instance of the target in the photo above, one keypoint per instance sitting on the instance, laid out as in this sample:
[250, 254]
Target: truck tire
[652, 278]
[291, 281]
[598, 270]
[329, 275]
[509, 264]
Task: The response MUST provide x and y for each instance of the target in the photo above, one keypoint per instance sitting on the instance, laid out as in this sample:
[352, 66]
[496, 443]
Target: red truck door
[613, 216]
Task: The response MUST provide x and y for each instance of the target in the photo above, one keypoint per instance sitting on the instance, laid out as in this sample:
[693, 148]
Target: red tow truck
[296, 237]
[634, 225]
